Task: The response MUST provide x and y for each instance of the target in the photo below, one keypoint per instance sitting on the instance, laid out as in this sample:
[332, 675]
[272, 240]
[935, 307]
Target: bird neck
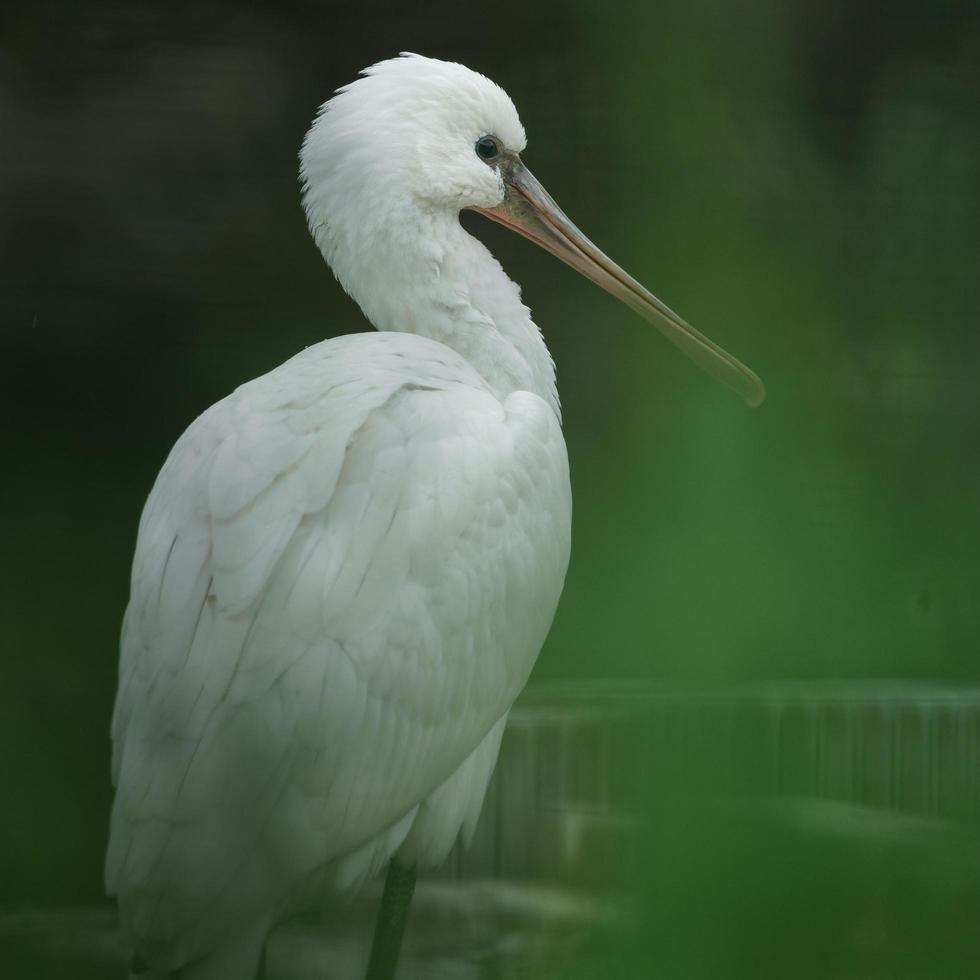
[425, 274]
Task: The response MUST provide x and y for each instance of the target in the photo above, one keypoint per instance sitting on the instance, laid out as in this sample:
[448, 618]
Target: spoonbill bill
[346, 568]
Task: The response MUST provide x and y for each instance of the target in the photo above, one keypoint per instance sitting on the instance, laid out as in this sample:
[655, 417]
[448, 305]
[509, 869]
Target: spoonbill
[346, 568]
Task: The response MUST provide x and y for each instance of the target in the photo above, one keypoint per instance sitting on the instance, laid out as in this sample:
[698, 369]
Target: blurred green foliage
[799, 180]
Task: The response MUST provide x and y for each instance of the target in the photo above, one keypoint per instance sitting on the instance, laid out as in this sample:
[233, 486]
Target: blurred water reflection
[618, 816]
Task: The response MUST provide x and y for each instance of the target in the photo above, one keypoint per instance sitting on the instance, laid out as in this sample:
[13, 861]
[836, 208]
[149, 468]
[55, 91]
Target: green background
[799, 180]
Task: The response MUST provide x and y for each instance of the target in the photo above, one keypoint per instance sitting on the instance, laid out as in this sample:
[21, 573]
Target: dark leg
[261, 975]
[390, 925]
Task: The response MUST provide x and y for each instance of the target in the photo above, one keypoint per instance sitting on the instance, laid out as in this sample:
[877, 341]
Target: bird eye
[487, 148]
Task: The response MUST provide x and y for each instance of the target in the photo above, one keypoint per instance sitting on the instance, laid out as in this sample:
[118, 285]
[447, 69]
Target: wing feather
[343, 575]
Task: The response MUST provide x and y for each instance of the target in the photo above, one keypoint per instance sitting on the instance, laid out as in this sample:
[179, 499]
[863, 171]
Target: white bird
[346, 568]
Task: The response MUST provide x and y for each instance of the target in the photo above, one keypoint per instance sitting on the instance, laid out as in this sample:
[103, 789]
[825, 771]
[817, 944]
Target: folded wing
[343, 576]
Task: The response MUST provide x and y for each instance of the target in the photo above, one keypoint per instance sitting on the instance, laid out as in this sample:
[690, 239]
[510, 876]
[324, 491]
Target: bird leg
[390, 925]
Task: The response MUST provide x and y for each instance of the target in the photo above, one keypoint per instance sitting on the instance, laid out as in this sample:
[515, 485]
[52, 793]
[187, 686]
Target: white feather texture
[345, 569]
[387, 166]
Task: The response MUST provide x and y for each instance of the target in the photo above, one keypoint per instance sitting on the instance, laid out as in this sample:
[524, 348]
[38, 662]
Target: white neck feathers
[421, 272]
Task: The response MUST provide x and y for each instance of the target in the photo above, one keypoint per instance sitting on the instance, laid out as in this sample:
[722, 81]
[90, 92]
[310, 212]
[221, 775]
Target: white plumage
[346, 568]
[343, 575]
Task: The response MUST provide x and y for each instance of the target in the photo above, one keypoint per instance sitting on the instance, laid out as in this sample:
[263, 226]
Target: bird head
[415, 138]
[411, 132]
